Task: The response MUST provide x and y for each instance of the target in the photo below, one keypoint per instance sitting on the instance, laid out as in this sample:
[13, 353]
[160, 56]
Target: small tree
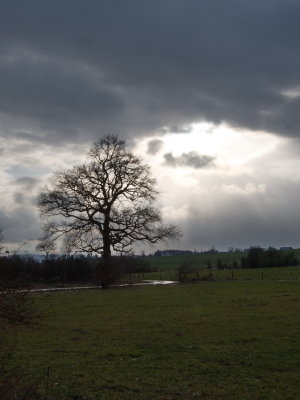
[106, 204]
[68, 245]
[46, 246]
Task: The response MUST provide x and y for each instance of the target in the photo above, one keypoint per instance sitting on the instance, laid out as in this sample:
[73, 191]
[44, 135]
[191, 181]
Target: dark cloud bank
[72, 69]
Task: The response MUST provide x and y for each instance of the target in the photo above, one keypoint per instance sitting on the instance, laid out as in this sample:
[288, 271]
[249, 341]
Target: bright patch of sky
[234, 150]
[245, 182]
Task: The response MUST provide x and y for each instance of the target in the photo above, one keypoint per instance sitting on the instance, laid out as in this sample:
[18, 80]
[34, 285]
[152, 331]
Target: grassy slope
[200, 260]
[279, 273]
[230, 340]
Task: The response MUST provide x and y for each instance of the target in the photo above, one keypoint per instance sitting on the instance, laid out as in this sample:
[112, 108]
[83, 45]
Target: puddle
[158, 282]
[60, 289]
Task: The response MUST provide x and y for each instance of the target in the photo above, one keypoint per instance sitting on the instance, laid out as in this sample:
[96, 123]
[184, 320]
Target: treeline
[258, 257]
[173, 252]
[165, 253]
[20, 271]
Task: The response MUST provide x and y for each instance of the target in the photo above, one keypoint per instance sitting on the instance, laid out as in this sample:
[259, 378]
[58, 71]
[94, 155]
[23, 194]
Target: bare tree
[47, 246]
[106, 204]
[68, 244]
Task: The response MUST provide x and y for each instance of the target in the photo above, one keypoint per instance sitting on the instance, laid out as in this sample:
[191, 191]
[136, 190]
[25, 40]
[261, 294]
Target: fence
[280, 273]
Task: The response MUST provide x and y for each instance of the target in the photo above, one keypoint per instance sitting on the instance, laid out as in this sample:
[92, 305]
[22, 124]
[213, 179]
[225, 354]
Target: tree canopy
[106, 204]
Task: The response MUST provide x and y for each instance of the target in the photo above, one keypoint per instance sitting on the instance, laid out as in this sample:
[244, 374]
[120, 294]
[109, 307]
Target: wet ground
[143, 283]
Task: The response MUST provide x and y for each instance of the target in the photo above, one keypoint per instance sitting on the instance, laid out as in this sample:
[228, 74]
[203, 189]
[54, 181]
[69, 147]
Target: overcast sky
[206, 91]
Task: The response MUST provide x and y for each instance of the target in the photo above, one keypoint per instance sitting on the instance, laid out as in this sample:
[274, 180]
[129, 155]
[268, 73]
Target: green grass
[211, 340]
[170, 263]
[279, 273]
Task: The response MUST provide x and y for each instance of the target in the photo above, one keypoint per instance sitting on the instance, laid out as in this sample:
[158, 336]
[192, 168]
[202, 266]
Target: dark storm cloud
[154, 145]
[74, 68]
[191, 159]
[54, 93]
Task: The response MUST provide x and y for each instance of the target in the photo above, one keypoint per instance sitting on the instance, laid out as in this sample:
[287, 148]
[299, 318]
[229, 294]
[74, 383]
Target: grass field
[280, 273]
[210, 340]
[199, 260]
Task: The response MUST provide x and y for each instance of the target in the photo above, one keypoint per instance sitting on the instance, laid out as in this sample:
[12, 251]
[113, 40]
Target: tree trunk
[106, 267]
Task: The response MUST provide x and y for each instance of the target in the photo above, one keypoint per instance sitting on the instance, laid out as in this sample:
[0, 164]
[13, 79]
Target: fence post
[232, 275]
[47, 381]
